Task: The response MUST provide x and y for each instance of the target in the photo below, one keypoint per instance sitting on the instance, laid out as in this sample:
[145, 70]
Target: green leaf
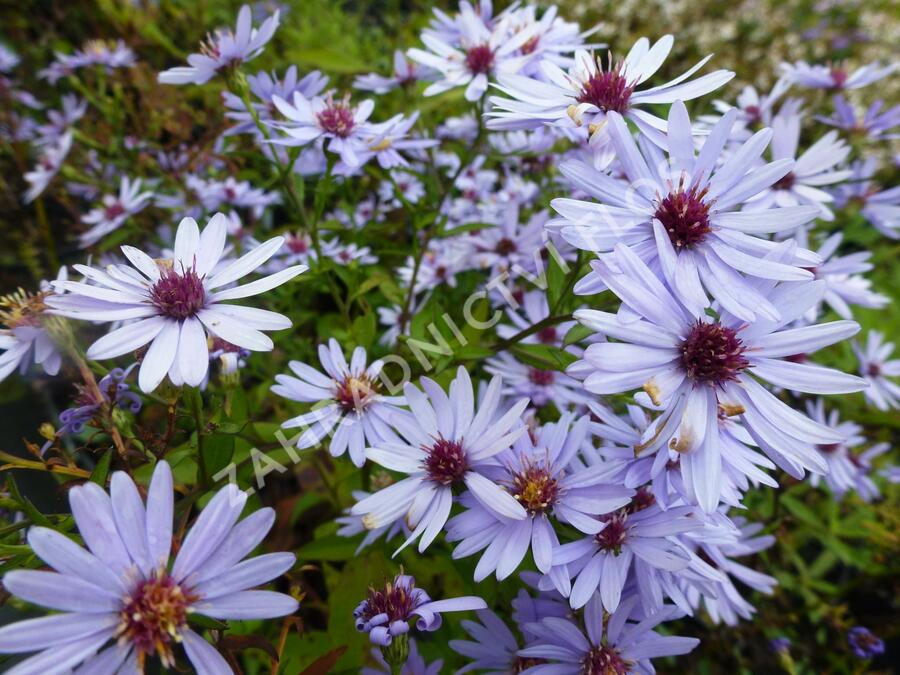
[333, 548]
[101, 470]
[30, 509]
[576, 334]
[218, 449]
[556, 281]
[801, 511]
[544, 357]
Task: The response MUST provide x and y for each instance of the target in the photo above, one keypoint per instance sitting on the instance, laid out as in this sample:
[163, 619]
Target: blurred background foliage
[837, 563]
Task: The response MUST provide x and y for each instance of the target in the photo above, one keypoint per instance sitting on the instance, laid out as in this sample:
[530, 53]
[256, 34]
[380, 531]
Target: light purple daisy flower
[172, 304]
[264, 86]
[725, 603]
[477, 52]
[880, 207]
[613, 644]
[122, 592]
[680, 214]
[543, 386]
[349, 404]
[693, 368]
[843, 276]
[847, 469]
[405, 73]
[879, 370]
[641, 531]
[813, 169]
[386, 613]
[48, 165]
[23, 336]
[352, 525]
[115, 210]
[583, 97]
[835, 77]
[223, 50]
[873, 124]
[493, 647]
[864, 643]
[535, 472]
[343, 125]
[448, 445]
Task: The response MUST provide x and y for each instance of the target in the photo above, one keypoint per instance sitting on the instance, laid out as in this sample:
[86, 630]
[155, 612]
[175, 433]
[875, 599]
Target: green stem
[52, 257]
[197, 410]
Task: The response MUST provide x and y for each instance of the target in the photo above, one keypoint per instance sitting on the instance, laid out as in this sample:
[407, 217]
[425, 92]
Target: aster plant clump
[516, 342]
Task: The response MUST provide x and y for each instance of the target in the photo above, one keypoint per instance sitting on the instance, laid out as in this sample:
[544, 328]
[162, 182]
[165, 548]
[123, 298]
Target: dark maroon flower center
[685, 216]
[713, 354]
[395, 600]
[337, 119]
[297, 245]
[607, 90]
[114, 210]
[446, 462]
[829, 448]
[642, 499]
[535, 488]
[480, 59]
[547, 335]
[611, 537]
[505, 246]
[873, 370]
[230, 194]
[355, 393]
[154, 615]
[786, 182]
[839, 76]
[754, 114]
[543, 378]
[604, 660]
[178, 296]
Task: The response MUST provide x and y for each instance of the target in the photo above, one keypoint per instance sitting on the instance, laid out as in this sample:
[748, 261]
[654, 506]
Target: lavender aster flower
[813, 168]
[583, 97]
[23, 338]
[877, 366]
[682, 217]
[493, 647]
[448, 444]
[693, 368]
[864, 643]
[321, 117]
[478, 50]
[842, 275]
[873, 124]
[264, 87]
[116, 209]
[535, 472]
[172, 304]
[350, 406]
[879, 207]
[641, 531]
[121, 591]
[835, 77]
[405, 73]
[224, 50]
[385, 614]
[49, 163]
[613, 644]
